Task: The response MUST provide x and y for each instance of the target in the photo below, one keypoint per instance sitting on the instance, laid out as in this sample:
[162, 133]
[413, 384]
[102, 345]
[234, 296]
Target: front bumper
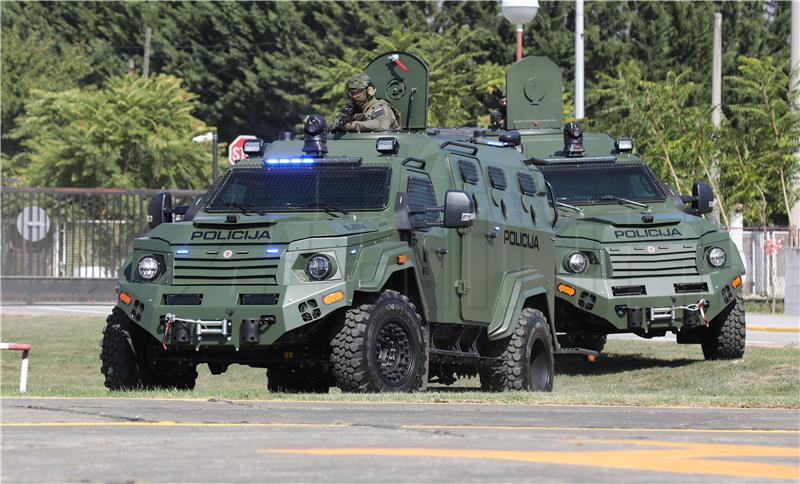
[646, 305]
[231, 317]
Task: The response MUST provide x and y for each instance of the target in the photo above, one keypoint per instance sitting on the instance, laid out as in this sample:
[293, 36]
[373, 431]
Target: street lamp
[519, 12]
[210, 136]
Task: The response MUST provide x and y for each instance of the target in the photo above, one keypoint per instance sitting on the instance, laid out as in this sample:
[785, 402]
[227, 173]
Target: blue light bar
[494, 143]
[182, 252]
[288, 161]
[272, 251]
[353, 251]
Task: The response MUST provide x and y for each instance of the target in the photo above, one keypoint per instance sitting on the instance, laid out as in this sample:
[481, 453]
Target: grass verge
[64, 362]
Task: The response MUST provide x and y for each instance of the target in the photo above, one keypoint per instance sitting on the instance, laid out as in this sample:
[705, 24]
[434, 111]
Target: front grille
[653, 260]
[224, 272]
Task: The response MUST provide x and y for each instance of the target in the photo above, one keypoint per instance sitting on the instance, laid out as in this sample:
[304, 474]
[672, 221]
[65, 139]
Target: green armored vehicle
[631, 255]
[372, 261]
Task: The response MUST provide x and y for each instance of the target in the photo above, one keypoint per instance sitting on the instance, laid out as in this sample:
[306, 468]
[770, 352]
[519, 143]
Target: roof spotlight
[573, 139]
[624, 145]
[387, 146]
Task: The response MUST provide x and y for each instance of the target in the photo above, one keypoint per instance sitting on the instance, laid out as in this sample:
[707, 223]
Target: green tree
[767, 127]
[34, 62]
[132, 133]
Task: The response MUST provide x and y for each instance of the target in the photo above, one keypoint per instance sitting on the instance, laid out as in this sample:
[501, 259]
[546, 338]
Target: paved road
[198, 440]
[763, 329]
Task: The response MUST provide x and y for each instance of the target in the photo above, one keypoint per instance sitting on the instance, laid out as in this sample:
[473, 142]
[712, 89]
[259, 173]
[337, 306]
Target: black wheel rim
[539, 367]
[393, 353]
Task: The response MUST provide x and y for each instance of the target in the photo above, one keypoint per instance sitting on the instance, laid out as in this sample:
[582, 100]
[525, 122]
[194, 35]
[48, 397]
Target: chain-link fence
[764, 258]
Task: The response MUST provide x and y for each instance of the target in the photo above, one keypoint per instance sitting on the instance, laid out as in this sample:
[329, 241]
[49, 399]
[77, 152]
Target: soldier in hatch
[497, 119]
[363, 111]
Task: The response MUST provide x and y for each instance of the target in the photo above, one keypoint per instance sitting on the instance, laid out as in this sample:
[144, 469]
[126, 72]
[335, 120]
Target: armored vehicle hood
[266, 230]
[631, 225]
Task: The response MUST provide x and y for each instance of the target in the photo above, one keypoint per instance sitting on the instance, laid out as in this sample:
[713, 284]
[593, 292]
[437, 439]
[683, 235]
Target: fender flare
[515, 289]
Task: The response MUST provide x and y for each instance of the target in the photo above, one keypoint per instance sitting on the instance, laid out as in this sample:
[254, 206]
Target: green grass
[64, 362]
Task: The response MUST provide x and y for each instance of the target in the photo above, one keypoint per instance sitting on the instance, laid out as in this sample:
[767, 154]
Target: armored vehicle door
[533, 86]
[481, 244]
[402, 79]
[438, 249]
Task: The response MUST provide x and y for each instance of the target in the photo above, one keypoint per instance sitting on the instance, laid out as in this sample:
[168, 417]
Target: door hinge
[462, 288]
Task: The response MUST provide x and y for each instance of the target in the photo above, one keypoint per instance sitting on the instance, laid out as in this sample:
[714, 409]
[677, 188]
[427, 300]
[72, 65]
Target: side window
[471, 175]
[526, 184]
[469, 172]
[498, 178]
[420, 192]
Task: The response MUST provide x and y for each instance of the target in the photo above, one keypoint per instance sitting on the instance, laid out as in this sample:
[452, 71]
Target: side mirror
[159, 210]
[458, 210]
[702, 198]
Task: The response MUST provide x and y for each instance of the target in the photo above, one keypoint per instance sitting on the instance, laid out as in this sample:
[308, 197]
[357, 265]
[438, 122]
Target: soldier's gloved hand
[360, 117]
[351, 126]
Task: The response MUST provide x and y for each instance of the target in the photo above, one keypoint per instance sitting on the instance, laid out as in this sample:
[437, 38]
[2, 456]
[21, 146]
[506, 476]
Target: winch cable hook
[169, 318]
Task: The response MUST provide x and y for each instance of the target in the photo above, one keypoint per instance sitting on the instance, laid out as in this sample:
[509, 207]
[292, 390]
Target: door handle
[441, 251]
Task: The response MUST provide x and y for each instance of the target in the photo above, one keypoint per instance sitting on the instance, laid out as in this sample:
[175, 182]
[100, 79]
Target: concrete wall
[40, 290]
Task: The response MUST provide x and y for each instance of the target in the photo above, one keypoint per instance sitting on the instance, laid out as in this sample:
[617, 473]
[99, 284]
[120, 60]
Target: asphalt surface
[67, 440]
[762, 329]
[116, 440]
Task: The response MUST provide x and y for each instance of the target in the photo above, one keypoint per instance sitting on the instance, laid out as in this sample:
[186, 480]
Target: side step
[577, 351]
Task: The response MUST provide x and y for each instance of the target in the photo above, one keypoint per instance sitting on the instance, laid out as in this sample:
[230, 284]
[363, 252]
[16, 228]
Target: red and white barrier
[23, 368]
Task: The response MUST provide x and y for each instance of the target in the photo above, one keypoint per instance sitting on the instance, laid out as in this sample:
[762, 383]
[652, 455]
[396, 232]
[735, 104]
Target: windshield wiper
[330, 208]
[244, 210]
[573, 207]
[623, 200]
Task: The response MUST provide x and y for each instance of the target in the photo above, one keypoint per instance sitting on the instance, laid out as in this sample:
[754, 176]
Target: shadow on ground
[609, 364]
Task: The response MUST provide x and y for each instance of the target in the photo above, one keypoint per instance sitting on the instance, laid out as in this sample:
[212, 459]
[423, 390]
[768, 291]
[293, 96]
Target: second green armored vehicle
[370, 261]
[631, 254]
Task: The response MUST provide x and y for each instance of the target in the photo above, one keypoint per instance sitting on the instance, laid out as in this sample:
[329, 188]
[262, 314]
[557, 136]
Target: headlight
[148, 268]
[576, 263]
[318, 267]
[716, 257]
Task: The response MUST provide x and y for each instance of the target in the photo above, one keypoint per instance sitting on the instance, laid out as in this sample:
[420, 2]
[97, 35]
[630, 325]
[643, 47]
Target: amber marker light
[125, 297]
[333, 297]
[565, 289]
[401, 259]
[736, 281]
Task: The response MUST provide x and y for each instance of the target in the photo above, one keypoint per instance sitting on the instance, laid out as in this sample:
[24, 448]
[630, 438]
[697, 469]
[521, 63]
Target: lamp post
[519, 12]
[211, 136]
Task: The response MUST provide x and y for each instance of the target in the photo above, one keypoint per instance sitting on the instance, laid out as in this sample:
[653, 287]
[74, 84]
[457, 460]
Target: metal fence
[71, 233]
[764, 257]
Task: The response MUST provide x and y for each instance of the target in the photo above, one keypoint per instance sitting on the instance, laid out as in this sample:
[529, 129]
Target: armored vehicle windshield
[603, 183]
[307, 188]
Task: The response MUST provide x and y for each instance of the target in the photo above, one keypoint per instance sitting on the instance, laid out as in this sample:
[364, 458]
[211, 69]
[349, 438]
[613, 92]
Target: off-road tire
[381, 347]
[116, 354]
[297, 380]
[125, 354]
[526, 361]
[725, 336]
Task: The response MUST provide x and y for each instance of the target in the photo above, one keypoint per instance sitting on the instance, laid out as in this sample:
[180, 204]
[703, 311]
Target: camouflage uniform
[369, 112]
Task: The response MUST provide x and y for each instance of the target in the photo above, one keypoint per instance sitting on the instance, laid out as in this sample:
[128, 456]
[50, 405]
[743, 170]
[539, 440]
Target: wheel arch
[404, 280]
[520, 290]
